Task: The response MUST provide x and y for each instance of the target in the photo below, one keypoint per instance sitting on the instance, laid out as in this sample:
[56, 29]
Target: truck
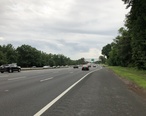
[9, 68]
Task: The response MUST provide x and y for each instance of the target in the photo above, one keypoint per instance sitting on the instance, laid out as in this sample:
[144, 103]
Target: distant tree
[114, 55]
[28, 56]
[106, 50]
[121, 48]
[102, 59]
[9, 53]
[80, 61]
[2, 58]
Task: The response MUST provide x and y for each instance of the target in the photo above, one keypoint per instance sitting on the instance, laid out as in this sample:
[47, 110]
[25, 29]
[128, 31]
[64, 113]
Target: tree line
[128, 49]
[28, 56]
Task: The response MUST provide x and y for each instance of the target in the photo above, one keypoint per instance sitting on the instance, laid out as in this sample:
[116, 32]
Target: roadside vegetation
[135, 76]
[128, 49]
[126, 55]
[28, 56]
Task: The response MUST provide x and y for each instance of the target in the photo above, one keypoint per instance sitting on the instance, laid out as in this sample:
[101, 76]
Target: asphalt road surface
[97, 93]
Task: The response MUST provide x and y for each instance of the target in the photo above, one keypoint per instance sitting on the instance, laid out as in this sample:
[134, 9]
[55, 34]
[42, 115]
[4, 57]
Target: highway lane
[27, 92]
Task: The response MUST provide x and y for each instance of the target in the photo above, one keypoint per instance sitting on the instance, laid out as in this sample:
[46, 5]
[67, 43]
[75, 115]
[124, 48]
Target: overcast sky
[75, 28]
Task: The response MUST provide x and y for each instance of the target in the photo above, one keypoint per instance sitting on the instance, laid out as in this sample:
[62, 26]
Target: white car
[46, 67]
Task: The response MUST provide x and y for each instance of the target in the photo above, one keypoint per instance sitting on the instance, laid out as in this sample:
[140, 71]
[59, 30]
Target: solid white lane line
[46, 79]
[16, 78]
[39, 113]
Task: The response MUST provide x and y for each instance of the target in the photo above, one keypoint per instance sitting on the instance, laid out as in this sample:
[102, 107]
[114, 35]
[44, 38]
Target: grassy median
[136, 76]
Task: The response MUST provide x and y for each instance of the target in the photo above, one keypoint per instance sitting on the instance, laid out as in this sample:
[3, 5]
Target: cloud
[1, 39]
[75, 28]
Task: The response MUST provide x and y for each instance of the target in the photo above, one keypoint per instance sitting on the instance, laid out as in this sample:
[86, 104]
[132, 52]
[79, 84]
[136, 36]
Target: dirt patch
[137, 89]
[132, 86]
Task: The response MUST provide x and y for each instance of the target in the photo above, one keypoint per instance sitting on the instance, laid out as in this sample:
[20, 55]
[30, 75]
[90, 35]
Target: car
[75, 66]
[58, 66]
[54, 66]
[46, 67]
[66, 66]
[85, 67]
[10, 68]
[94, 65]
[33, 67]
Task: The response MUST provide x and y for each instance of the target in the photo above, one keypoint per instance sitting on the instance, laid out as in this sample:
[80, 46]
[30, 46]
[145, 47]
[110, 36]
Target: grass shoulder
[137, 77]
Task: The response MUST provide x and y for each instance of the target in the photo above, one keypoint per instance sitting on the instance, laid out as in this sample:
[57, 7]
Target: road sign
[92, 60]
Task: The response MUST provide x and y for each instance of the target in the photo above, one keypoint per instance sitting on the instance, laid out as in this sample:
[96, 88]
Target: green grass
[136, 76]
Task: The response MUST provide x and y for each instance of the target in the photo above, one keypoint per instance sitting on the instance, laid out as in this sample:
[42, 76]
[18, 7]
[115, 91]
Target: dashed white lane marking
[6, 90]
[16, 78]
[39, 113]
[46, 79]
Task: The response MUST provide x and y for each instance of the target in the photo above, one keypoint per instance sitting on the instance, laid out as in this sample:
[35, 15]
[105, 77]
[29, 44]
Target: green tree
[9, 53]
[28, 56]
[128, 2]
[136, 24]
[102, 59]
[123, 46]
[120, 54]
[106, 50]
[80, 61]
[2, 58]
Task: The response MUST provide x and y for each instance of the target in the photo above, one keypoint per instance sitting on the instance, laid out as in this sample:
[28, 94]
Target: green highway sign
[92, 60]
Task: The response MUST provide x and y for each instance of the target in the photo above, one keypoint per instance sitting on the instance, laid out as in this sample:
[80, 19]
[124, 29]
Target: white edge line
[46, 79]
[39, 113]
[16, 78]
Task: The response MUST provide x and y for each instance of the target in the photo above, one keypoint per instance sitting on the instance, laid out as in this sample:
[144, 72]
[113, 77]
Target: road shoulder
[132, 86]
[100, 94]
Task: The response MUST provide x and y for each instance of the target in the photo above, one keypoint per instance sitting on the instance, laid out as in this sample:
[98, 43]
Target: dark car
[94, 65]
[9, 68]
[85, 67]
[75, 66]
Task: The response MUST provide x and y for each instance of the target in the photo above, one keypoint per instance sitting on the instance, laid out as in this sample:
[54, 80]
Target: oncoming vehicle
[85, 67]
[10, 68]
[46, 67]
[54, 66]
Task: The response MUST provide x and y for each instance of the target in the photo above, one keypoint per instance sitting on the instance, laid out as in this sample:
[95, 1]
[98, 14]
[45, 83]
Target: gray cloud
[76, 28]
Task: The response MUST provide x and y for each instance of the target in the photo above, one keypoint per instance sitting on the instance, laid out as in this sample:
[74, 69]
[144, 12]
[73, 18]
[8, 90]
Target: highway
[28, 92]
[25, 93]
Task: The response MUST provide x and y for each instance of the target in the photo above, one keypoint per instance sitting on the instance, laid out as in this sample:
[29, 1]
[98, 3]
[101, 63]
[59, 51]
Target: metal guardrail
[31, 69]
[41, 68]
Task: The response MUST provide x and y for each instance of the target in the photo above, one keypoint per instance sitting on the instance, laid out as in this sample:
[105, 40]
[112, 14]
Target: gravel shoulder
[100, 94]
[132, 86]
